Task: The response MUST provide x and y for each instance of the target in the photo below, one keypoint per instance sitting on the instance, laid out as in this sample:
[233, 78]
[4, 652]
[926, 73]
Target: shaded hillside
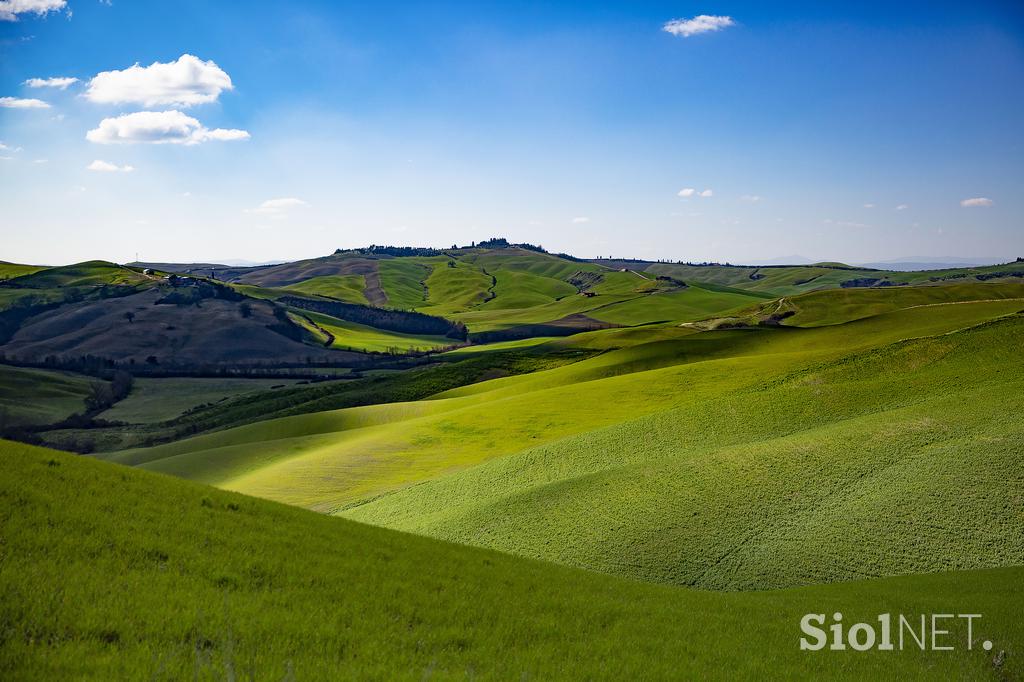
[152, 328]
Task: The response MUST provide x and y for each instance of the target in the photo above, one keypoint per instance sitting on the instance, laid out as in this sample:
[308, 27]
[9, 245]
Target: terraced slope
[159, 578]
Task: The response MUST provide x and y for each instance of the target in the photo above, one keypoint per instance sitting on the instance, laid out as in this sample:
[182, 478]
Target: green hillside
[671, 432]
[348, 288]
[34, 396]
[91, 273]
[109, 573]
[11, 270]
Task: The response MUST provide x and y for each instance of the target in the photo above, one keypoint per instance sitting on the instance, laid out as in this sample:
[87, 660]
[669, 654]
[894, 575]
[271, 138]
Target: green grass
[350, 335]
[157, 400]
[348, 288]
[521, 463]
[692, 303]
[842, 305]
[522, 289]
[35, 396]
[402, 281]
[11, 270]
[90, 273]
[453, 286]
[110, 573]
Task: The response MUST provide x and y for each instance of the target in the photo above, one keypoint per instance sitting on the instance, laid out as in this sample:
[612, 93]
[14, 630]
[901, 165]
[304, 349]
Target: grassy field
[670, 433]
[35, 396]
[348, 288]
[157, 400]
[12, 270]
[353, 336]
[90, 273]
[111, 573]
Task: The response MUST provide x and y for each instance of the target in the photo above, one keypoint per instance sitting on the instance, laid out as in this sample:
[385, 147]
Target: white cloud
[158, 127]
[687, 193]
[10, 9]
[869, 205]
[707, 193]
[40, 160]
[750, 198]
[700, 24]
[106, 167]
[184, 82]
[983, 202]
[903, 207]
[277, 206]
[59, 83]
[581, 219]
[18, 103]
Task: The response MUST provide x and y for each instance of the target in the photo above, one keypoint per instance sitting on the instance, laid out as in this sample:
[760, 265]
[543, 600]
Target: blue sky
[839, 131]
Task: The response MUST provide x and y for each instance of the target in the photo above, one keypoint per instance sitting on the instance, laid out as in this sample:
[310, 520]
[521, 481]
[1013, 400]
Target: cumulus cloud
[107, 167]
[702, 23]
[277, 206]
[687, 193]
[59, 83]
[707, 193]
[581, 219]
[184, 82]
[10, 9]
[158, 127]
[976, 202]
[19, 103]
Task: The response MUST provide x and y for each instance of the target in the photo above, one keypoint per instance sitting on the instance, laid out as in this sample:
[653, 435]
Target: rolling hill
[113, 573]
[671, 432]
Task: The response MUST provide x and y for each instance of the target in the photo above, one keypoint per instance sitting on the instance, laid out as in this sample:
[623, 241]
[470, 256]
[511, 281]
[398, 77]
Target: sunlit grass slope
[10, 270]
[325, 462]
[832, 472]
[355, 336]
[90, 273]
[842, 305]
[348, 288]
[110, 573]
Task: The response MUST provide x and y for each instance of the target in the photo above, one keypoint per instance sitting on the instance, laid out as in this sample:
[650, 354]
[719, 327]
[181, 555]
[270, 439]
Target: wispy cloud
[869, 205]
[184, 82]
[19, 103]
[903, 207]
[59, 83]
[689, 192]
[750, 198]
[10, 9]
[158, 127]
[977, 202]
[702, 23]
[707, 193]
[277, 207]
[581, 220]
[106, 167]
